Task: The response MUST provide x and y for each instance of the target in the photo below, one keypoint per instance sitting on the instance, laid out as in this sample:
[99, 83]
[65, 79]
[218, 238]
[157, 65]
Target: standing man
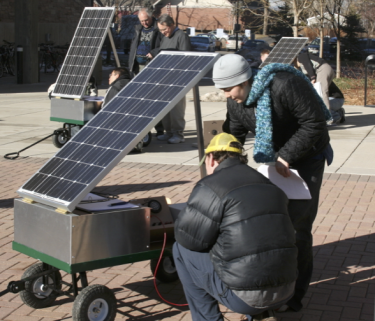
[174, 39]
[288, 117]
[146, 38]
[234, 240]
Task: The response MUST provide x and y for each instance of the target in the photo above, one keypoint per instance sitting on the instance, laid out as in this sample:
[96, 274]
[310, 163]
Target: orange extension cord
[157, 267]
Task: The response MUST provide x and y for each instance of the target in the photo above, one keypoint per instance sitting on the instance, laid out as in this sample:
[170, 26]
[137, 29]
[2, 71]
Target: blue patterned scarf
[260, 93]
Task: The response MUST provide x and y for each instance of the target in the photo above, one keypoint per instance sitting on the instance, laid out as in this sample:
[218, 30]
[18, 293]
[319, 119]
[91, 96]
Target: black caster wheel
[147, 139]
[95, 303]
[38, 295]
[61, 138]
[167, 271]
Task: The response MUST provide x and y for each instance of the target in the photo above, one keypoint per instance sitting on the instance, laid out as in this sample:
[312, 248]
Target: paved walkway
[342, 287]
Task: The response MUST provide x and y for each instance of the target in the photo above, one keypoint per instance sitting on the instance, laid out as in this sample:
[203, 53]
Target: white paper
[103, 206]
[294, 186]
[318, 88]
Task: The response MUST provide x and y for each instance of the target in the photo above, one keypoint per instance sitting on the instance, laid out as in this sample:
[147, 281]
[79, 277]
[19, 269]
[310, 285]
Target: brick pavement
[342, 286]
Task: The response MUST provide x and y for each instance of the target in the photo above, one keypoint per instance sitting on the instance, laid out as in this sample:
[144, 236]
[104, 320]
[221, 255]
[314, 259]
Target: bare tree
[366, 9]
[318, 12]
[336, 10]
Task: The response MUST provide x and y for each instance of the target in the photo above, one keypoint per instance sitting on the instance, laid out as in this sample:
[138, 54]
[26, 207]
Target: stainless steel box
[80, 237]
[73, 111]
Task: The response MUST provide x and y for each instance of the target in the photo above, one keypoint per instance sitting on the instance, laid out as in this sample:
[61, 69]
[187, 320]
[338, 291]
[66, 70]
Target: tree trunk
[321, 42]
[265, 19]
[338, 59]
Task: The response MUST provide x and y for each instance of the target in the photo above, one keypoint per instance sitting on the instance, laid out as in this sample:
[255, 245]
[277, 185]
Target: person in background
[174, 39]
[317, 70]
[263, 56]
[146, 38]
[118, 79]
[288, 117]
[233, 245]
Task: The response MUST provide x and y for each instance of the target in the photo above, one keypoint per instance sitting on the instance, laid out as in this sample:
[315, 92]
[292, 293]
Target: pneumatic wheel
[167, 271]
[61, 138]
[147, 139]
[95, 303]
[38, 295]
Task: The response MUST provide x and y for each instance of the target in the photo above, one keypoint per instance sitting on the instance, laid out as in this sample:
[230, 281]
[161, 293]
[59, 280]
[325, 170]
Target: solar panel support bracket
[28, 200]
[61, 211]
[109, 32]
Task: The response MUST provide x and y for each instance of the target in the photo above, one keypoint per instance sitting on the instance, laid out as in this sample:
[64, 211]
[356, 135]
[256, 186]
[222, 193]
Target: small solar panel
[285, 50]
[82, 162]
[83, 52]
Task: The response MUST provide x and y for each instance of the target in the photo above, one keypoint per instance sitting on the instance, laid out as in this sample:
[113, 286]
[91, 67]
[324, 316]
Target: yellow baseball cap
[221, 143]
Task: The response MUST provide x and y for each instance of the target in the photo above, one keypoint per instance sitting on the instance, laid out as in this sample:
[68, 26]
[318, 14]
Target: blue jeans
[203, 287]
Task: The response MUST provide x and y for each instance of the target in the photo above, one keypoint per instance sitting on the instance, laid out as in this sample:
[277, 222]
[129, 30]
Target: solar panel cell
[285, 51]
[117, 128]
[83, 52]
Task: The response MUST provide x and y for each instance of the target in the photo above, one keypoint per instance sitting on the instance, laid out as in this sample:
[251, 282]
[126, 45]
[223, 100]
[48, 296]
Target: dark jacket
[179, 41]
[310, 63]
[155, 43]
[299, 126]
[250, 238]
[115, 88]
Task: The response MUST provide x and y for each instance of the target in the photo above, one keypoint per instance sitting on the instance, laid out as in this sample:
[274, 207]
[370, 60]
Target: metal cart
[74, 113]
[78, 242]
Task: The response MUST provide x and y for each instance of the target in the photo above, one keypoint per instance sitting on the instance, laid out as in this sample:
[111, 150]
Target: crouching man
[235, 240]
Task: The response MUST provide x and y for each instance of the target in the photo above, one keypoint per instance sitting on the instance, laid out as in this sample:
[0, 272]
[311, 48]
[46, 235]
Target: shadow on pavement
[355, 120]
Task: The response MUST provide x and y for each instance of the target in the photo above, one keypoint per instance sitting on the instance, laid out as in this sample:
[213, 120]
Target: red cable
[157, 267]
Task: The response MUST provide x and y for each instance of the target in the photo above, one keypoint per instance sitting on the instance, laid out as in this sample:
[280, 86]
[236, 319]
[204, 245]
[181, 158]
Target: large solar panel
[83, 52]
[285, 51]
[71, 174]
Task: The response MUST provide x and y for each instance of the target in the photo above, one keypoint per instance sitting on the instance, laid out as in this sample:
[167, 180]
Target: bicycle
[49, 57]
[7, 59]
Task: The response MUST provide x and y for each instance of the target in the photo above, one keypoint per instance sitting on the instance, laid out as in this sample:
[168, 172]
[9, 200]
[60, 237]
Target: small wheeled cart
[79, 242]
[74, 113]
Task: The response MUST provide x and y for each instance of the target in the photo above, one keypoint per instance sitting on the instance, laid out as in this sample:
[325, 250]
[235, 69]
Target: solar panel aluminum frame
[264, 63]
[97, 54]
[70, 206]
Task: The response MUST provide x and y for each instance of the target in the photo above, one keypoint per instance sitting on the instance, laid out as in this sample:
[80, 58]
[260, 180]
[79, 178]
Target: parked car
[329, 49]
[202, 44]
[217, 41]
[255, 47]
[224, 35]
[231, 42]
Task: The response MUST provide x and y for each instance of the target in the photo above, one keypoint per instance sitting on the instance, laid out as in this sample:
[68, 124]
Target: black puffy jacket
[115, 88]
[241, 218]
[299, 126]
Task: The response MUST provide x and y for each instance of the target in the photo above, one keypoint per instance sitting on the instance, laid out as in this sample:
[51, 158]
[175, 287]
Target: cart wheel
[61, 139]
[36, 294]
[167, 270]
[95, 303]
[138, 148]
[147, 139]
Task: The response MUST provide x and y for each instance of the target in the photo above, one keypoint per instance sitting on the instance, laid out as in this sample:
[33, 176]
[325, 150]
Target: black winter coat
[242, 219]
[115, 88]
[299, 125]
[155, 43]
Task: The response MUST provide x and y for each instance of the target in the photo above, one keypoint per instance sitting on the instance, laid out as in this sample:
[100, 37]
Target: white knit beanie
[231, 70]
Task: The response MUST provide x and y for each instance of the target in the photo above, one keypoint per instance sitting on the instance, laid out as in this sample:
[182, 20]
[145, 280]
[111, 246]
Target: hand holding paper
[293, 186]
